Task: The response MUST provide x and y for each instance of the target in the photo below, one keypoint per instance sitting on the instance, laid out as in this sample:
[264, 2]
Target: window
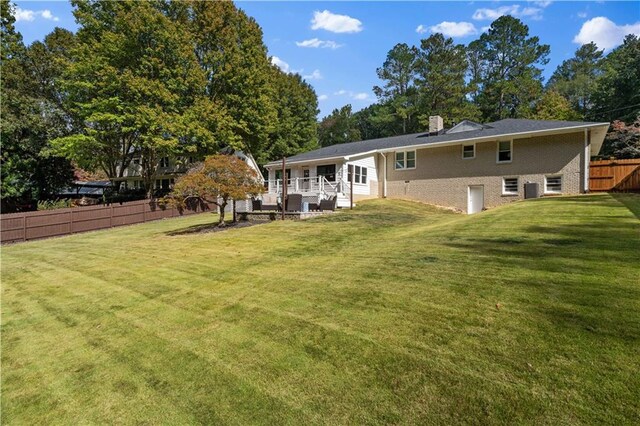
[504, 151]
[328, 171]
[510, 186]
[360, 175]
[553, 184]
[164, 162]
[468, 151]
[279, 175]
[136, 161]
[405, 160]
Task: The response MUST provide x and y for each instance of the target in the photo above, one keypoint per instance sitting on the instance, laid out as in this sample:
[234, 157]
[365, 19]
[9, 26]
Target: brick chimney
[435, 124]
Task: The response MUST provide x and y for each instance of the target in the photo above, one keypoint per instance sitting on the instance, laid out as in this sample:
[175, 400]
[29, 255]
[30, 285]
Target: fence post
[24, 227]
[71, 221]
[111, 215]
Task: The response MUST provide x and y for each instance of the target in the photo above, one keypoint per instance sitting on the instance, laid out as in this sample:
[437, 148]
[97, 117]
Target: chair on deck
[269, 202]
[256, 205]
[329, 204]
[294, 203]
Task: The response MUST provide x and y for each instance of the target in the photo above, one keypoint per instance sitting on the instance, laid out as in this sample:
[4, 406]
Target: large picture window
[328, 171]
[405, 160]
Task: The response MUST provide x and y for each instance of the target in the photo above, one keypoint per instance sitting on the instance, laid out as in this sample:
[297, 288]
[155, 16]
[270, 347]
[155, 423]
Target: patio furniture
[294, 203]
[328, 204]
[270, 202]
[256, 205]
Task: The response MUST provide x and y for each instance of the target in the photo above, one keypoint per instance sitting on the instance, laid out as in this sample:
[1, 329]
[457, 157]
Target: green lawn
[394, 312]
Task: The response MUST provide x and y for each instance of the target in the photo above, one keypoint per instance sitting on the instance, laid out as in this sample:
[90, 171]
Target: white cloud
[323, 97]
[542, 4]
[605, 33]
[335, 23]
[31, 15]
[315, 42]
[454, 29]
[280, 63]
[582, 14]
[485, 14]
[361, 96]
[421, 29]
[485, 29]
[315, 75]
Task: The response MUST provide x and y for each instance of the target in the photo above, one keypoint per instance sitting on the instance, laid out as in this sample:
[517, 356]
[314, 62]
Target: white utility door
[475, 201]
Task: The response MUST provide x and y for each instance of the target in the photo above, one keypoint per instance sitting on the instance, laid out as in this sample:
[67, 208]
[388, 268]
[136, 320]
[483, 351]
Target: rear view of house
[470, 167]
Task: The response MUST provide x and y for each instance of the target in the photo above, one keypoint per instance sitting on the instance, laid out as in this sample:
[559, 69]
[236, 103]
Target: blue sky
[337, 46]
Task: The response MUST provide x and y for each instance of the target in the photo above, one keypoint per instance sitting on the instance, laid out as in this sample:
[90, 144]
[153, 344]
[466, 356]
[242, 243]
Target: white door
[475, 201]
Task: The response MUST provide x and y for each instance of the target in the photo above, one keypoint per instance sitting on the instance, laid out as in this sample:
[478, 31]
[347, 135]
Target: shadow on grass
[212, 227]
[630, 201]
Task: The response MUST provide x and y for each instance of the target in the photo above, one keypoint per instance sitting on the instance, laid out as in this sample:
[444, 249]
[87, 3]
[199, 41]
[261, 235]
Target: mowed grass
[394, 312]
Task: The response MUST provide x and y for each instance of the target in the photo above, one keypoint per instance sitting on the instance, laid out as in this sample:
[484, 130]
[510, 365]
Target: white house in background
[469, 167]
[169, 168]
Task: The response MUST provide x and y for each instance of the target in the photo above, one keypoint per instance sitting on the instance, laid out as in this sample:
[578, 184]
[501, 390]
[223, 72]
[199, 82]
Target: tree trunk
[221, 207]
[235, 218]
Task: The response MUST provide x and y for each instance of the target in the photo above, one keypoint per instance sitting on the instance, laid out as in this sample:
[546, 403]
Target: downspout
[384, 176]
[587, 157]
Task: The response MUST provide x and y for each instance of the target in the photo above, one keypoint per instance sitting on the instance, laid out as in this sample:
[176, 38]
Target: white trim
[504, 191]
[474, 151]
[498, 151]
[404, 152]
[495, 137]
[384, 176]
[546, 191]
[587, 158]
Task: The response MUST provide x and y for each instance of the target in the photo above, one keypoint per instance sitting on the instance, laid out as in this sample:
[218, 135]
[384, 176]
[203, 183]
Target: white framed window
[468, 151]
[164, 162]
[504, 152]
[405, 160]
[510, 186]
[553, 184]
[360, 175]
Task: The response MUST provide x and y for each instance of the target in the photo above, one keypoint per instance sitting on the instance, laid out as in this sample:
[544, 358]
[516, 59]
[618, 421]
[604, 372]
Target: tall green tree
[338, 127]
[553, 106]
[31, 115]
[295, 128]
[398, 93]
[441, 68]
[135, 88]
[576, 78]
[506, 69]
[617, 96]
[229, 48]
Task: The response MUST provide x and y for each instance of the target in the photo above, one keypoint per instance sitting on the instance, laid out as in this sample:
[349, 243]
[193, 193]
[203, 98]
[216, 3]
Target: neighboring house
[170, 168]
[469, 167]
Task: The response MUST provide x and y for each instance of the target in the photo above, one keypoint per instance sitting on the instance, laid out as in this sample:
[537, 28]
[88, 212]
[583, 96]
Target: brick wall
[442, 177]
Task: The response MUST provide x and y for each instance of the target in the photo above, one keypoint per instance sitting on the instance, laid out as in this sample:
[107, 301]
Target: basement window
[553, 184]
[405, 160]
[510, 186]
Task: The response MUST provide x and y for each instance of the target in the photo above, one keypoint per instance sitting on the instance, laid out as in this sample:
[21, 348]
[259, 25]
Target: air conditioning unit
[531, 190]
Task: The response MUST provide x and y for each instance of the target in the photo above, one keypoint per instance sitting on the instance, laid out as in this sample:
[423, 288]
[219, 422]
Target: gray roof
[496, 129]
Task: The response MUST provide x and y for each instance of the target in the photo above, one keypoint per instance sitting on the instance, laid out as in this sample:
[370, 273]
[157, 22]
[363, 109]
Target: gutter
[384, 176]
[494, 137]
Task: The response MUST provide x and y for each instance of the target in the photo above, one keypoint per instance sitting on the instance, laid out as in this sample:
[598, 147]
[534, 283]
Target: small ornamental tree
[217, 180]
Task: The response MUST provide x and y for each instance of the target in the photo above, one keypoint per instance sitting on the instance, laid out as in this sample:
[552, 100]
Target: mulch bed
[213, 227]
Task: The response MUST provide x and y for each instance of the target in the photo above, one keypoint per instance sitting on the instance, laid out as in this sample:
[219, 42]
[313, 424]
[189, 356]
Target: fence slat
[43, 224]
[614, 175]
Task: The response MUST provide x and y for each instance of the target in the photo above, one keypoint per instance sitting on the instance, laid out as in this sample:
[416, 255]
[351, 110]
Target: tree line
[141, 81]
[497, 76]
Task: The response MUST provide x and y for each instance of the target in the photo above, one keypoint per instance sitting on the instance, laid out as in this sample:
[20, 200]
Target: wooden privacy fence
[49, 223]
[615, 175]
